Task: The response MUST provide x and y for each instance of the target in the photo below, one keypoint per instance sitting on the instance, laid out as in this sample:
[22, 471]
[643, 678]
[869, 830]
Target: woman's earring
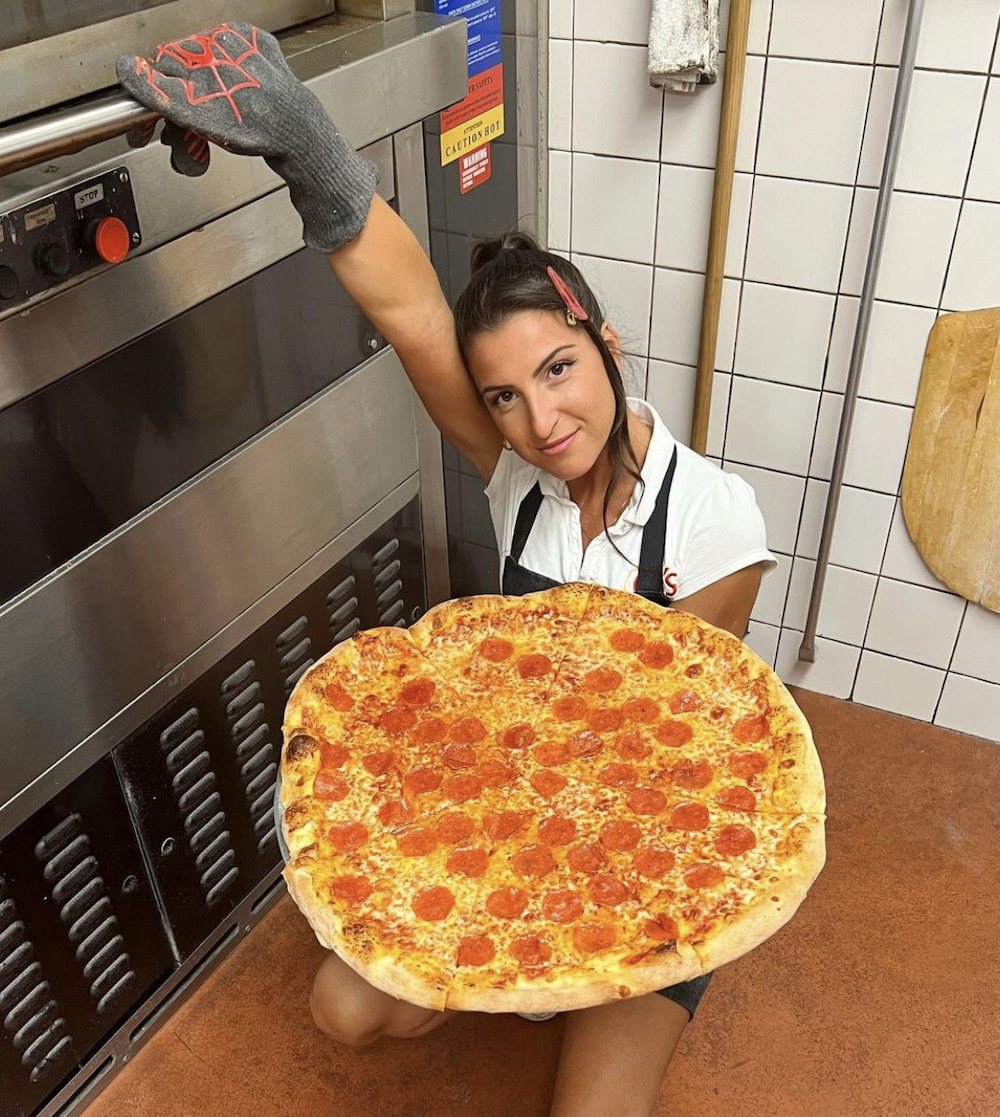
[507, 445]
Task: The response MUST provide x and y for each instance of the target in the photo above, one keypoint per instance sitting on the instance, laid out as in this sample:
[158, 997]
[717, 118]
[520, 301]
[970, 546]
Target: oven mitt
[232, 85]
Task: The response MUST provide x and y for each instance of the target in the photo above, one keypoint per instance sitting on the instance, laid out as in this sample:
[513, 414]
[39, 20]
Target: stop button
[111, 240]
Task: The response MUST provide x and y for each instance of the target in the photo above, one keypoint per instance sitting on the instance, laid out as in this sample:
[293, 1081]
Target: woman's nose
[543, 416]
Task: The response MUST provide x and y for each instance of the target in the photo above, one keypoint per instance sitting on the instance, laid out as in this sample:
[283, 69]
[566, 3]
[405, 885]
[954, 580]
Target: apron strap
[525, 521]
[654, 537]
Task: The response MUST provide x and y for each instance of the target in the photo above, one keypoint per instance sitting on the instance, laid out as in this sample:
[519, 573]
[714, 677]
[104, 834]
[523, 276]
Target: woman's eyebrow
[542, 364]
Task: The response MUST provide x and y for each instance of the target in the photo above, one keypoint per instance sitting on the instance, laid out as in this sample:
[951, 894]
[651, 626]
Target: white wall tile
[812, 120]
[879, 437]
[894, 353]
[753, 95]
[560, 94]
[797, 233]
[846, 604]
[770, 603]
[902, 559]
[561, 19]
[861, 531]
[670, 389]
[560, 181]
[615, 110]
[970, 706]
[722, 385]
[832, 672]
[684, 217]
[779, 497]
[625, 292]
[677, 299]
[859, 236]
[984, 179]
[763, 639]
[845, 31]
[954, 34]
[729, 312]
[940, 130]
[831, 405]
[760, 26]
[904, 688]
[626, 21]
[626, 229]
[783, 334]
[974, 275]
[739, 225]
[977, 652]
[914, 623]
[635, 371]
[771, 425]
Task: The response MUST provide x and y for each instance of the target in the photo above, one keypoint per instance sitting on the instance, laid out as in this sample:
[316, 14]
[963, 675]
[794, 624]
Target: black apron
[518, 580]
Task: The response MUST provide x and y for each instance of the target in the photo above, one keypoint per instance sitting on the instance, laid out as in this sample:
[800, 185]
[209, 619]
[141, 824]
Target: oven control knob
[8, 282]
[111, 240]
[53, 259]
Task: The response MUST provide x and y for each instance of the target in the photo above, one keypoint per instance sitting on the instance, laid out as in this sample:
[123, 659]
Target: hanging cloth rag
[683, 44]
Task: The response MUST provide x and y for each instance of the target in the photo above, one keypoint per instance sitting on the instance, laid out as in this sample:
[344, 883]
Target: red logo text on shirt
[669, 582]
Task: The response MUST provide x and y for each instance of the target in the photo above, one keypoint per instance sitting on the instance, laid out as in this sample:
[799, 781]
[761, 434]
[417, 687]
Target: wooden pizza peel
[951, 481]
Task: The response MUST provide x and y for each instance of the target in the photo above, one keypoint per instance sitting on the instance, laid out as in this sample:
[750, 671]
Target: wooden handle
[725, 168]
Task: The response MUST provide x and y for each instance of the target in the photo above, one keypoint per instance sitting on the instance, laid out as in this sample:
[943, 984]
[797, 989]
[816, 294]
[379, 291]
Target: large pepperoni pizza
[546, 802]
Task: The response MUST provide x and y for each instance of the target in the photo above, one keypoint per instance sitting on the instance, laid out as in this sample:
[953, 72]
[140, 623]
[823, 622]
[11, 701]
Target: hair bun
[486, 251]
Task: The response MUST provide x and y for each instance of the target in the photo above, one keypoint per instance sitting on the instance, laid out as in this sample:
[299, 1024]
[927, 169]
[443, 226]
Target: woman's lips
[560, 446]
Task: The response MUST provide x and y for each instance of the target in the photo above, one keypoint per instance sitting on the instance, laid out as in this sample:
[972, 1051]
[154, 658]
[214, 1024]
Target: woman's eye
[503, 398]
[559, 368]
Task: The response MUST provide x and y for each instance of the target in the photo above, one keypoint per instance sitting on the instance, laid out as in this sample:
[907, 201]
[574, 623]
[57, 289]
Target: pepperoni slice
[571, 708]
[494, 773]
[334, 756]
[750, 730]
[378, 763]
[429, 731]
[347, 835]
[496, 650]
[562, 906]
[517, 736]
[417, 842]
[418, 692]
[631, 746]
[627, 640]
[454, 827]
[704, 876]
[607, 891]
[619, 775]
[662, 929]
[603, 680]
[656, 655]
[467, 730]
[588, 857]
[694, 671]
[584, 744]
[328, 785]
[653, 862]
[620, 836]
[592, 937]
[692, 773]
[533, 862]
[547, 783]
[733, 840]
[551, 753]
[460, 789]
[397, 720]
[737, 797]
[459, 756]
[673, 734]
[641, 710]
[352, 890]
[468, 860]
[507, 902]
[418, 781]
[530, 950]
[557, 831]
[746, 765]
[395, 812]
[605, 719]
[500, 827]
[476, 950]
[433, 903]
[646, 800]
[684, 701]
[533, 666]
[689, 816]
[338, 698]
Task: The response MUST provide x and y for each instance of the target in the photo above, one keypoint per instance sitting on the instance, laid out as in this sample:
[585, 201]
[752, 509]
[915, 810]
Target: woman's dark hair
[509, 275]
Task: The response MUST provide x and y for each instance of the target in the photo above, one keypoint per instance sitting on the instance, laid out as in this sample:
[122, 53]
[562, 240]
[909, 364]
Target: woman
[525, 381]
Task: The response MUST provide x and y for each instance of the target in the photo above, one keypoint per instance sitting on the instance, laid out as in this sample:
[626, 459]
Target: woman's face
[545, 385]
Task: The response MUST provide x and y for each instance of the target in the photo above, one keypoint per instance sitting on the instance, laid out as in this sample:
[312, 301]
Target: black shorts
[688, 993]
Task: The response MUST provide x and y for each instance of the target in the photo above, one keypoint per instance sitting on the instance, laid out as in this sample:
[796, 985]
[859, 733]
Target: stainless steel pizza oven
[211, 469]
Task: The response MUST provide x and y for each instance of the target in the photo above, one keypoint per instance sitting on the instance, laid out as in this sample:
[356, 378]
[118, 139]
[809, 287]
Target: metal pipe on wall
[807, 649]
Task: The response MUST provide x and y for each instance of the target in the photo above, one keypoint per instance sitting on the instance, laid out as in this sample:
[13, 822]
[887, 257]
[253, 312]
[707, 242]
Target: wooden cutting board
[951, 482]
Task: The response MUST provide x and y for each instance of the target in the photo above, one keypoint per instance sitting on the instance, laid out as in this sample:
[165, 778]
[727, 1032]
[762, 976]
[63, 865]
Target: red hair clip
[574, 311]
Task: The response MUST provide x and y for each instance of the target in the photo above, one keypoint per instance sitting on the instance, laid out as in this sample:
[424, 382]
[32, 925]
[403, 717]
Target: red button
[112, 240]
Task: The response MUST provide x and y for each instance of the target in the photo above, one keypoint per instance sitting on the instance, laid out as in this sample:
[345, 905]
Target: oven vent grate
[71, 872]
[389, 602]
[29, 1011]
[251, 737]
[194, 786]
[342, 610]
[293, 646]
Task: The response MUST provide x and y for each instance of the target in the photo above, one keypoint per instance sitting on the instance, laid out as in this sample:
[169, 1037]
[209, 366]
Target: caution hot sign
[477, 119]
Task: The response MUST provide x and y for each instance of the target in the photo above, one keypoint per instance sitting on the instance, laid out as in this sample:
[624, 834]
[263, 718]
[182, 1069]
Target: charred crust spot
[301, 747]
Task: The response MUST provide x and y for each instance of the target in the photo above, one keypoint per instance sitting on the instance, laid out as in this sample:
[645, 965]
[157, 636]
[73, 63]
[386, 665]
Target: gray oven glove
[232, 85]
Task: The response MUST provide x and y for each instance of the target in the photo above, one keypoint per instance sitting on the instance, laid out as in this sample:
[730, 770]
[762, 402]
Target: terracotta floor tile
[878, 998]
